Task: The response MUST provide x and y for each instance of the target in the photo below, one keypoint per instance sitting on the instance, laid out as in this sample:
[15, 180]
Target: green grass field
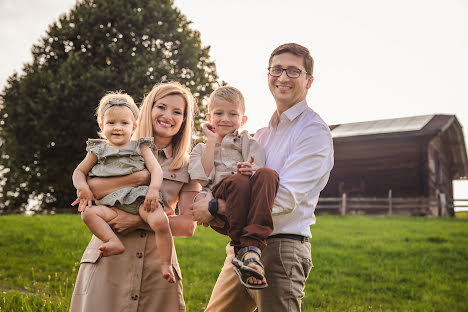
[361, 263]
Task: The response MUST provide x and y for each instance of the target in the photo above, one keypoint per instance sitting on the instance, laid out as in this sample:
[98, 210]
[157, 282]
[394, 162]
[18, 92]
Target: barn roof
[415, 126]
[395, 125]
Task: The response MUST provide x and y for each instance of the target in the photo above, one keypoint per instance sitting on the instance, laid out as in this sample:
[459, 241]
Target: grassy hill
[361, 263]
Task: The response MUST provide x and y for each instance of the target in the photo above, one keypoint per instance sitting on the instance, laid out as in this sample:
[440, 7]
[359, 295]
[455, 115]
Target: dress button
[173, 175]
[142, 234]
[135, 297]
[139, 255]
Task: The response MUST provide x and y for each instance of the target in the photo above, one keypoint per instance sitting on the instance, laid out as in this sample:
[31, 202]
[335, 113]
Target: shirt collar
[167, 151]
[230, 137]
[235, 134]
[290, 114]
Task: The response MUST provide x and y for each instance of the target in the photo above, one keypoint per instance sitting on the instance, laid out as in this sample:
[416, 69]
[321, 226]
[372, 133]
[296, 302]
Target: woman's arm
[125, 222]
[104, 186]
[183, 225]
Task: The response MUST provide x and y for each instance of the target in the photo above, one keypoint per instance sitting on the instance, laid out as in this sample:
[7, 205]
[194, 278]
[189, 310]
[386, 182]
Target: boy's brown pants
[249, 201]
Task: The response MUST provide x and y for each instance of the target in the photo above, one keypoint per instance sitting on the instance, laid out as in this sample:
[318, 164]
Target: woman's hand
[125, 222]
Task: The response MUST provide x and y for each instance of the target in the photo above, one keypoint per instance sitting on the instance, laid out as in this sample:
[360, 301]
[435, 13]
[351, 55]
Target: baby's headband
[119, 102]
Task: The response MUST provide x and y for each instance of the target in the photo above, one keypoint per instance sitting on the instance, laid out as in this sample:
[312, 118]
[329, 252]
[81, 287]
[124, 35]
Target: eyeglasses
[291, 72]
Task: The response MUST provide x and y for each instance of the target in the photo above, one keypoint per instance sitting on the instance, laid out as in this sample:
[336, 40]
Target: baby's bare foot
[168, 273]
[111, 248]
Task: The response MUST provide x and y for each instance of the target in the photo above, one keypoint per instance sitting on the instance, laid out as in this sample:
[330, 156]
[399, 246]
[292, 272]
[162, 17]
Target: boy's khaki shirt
[234, 148]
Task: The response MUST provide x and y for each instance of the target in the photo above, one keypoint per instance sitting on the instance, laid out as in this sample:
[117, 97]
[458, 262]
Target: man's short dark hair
[297, 50]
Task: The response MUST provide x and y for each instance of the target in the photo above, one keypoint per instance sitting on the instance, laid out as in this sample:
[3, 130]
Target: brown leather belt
[291, 236]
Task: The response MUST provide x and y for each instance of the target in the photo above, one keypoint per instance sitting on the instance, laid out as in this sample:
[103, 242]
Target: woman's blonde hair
[114, 95]
[182, 141]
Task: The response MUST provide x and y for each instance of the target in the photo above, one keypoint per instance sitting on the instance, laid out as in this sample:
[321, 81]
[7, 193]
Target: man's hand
[124, 222]
[200, 212]
[245, 167]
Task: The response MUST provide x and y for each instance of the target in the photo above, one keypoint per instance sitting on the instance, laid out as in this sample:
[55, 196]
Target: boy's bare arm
[152, 197]
[207, 159]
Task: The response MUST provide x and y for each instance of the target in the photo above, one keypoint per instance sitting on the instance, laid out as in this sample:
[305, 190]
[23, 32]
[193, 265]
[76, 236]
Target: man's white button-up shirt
[299, 146]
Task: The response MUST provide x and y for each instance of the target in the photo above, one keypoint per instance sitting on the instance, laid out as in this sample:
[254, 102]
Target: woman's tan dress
[133, 281]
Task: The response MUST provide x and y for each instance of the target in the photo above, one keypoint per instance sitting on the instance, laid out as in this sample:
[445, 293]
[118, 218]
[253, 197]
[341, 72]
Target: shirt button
[173, 175]
[135, 297]
[139, 255]
[142, 234]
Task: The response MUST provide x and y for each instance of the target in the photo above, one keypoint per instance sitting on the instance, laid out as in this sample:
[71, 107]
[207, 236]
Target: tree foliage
[47, 112]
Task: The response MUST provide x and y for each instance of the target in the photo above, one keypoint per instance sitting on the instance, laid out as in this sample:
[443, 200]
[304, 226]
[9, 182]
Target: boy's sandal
[244, 271]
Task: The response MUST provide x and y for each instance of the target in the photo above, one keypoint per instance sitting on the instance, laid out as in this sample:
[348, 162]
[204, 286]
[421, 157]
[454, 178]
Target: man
[298, 146]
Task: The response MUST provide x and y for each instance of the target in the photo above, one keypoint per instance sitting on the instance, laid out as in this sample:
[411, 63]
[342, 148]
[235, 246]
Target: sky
[374, 59]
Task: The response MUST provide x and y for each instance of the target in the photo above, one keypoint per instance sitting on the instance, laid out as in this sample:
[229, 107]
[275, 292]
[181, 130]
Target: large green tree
[47, 112]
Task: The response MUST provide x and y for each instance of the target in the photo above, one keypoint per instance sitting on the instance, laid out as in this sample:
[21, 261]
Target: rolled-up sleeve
[306, 169]
[251, 148]
[196, 170]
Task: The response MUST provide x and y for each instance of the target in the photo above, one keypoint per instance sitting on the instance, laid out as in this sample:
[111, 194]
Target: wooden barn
[397, 166]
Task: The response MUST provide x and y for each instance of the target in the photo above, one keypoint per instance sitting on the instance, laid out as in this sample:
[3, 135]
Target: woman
[132, 281]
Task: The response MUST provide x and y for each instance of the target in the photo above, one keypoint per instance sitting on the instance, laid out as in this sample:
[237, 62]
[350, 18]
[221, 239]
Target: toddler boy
[230, 165]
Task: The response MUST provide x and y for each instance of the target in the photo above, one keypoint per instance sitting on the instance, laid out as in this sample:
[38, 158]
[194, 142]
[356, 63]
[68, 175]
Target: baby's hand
[151, 200]
[210, 132]
[245, 167]
[85, 199]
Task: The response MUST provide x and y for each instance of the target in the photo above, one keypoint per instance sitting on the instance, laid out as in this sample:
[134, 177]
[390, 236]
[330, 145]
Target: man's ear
[309, 81]
[208, 116]
[244, 120]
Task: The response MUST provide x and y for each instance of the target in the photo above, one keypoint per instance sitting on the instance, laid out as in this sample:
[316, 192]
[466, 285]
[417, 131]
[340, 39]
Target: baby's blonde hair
[114, 95]
[229, 94]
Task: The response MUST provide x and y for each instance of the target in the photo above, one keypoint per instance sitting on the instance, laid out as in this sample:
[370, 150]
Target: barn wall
[439, 168]
[371, 168]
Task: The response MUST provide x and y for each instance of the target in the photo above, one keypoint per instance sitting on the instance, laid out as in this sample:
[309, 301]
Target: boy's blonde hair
[105, 100]
[228, 94]
[182, 141]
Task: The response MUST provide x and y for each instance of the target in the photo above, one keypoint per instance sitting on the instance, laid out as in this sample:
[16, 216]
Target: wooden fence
[459, 204]
[415, 206]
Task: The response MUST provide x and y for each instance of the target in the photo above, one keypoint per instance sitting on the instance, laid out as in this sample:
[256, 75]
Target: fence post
[343, 204]
[443, 205]
[390, 208]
